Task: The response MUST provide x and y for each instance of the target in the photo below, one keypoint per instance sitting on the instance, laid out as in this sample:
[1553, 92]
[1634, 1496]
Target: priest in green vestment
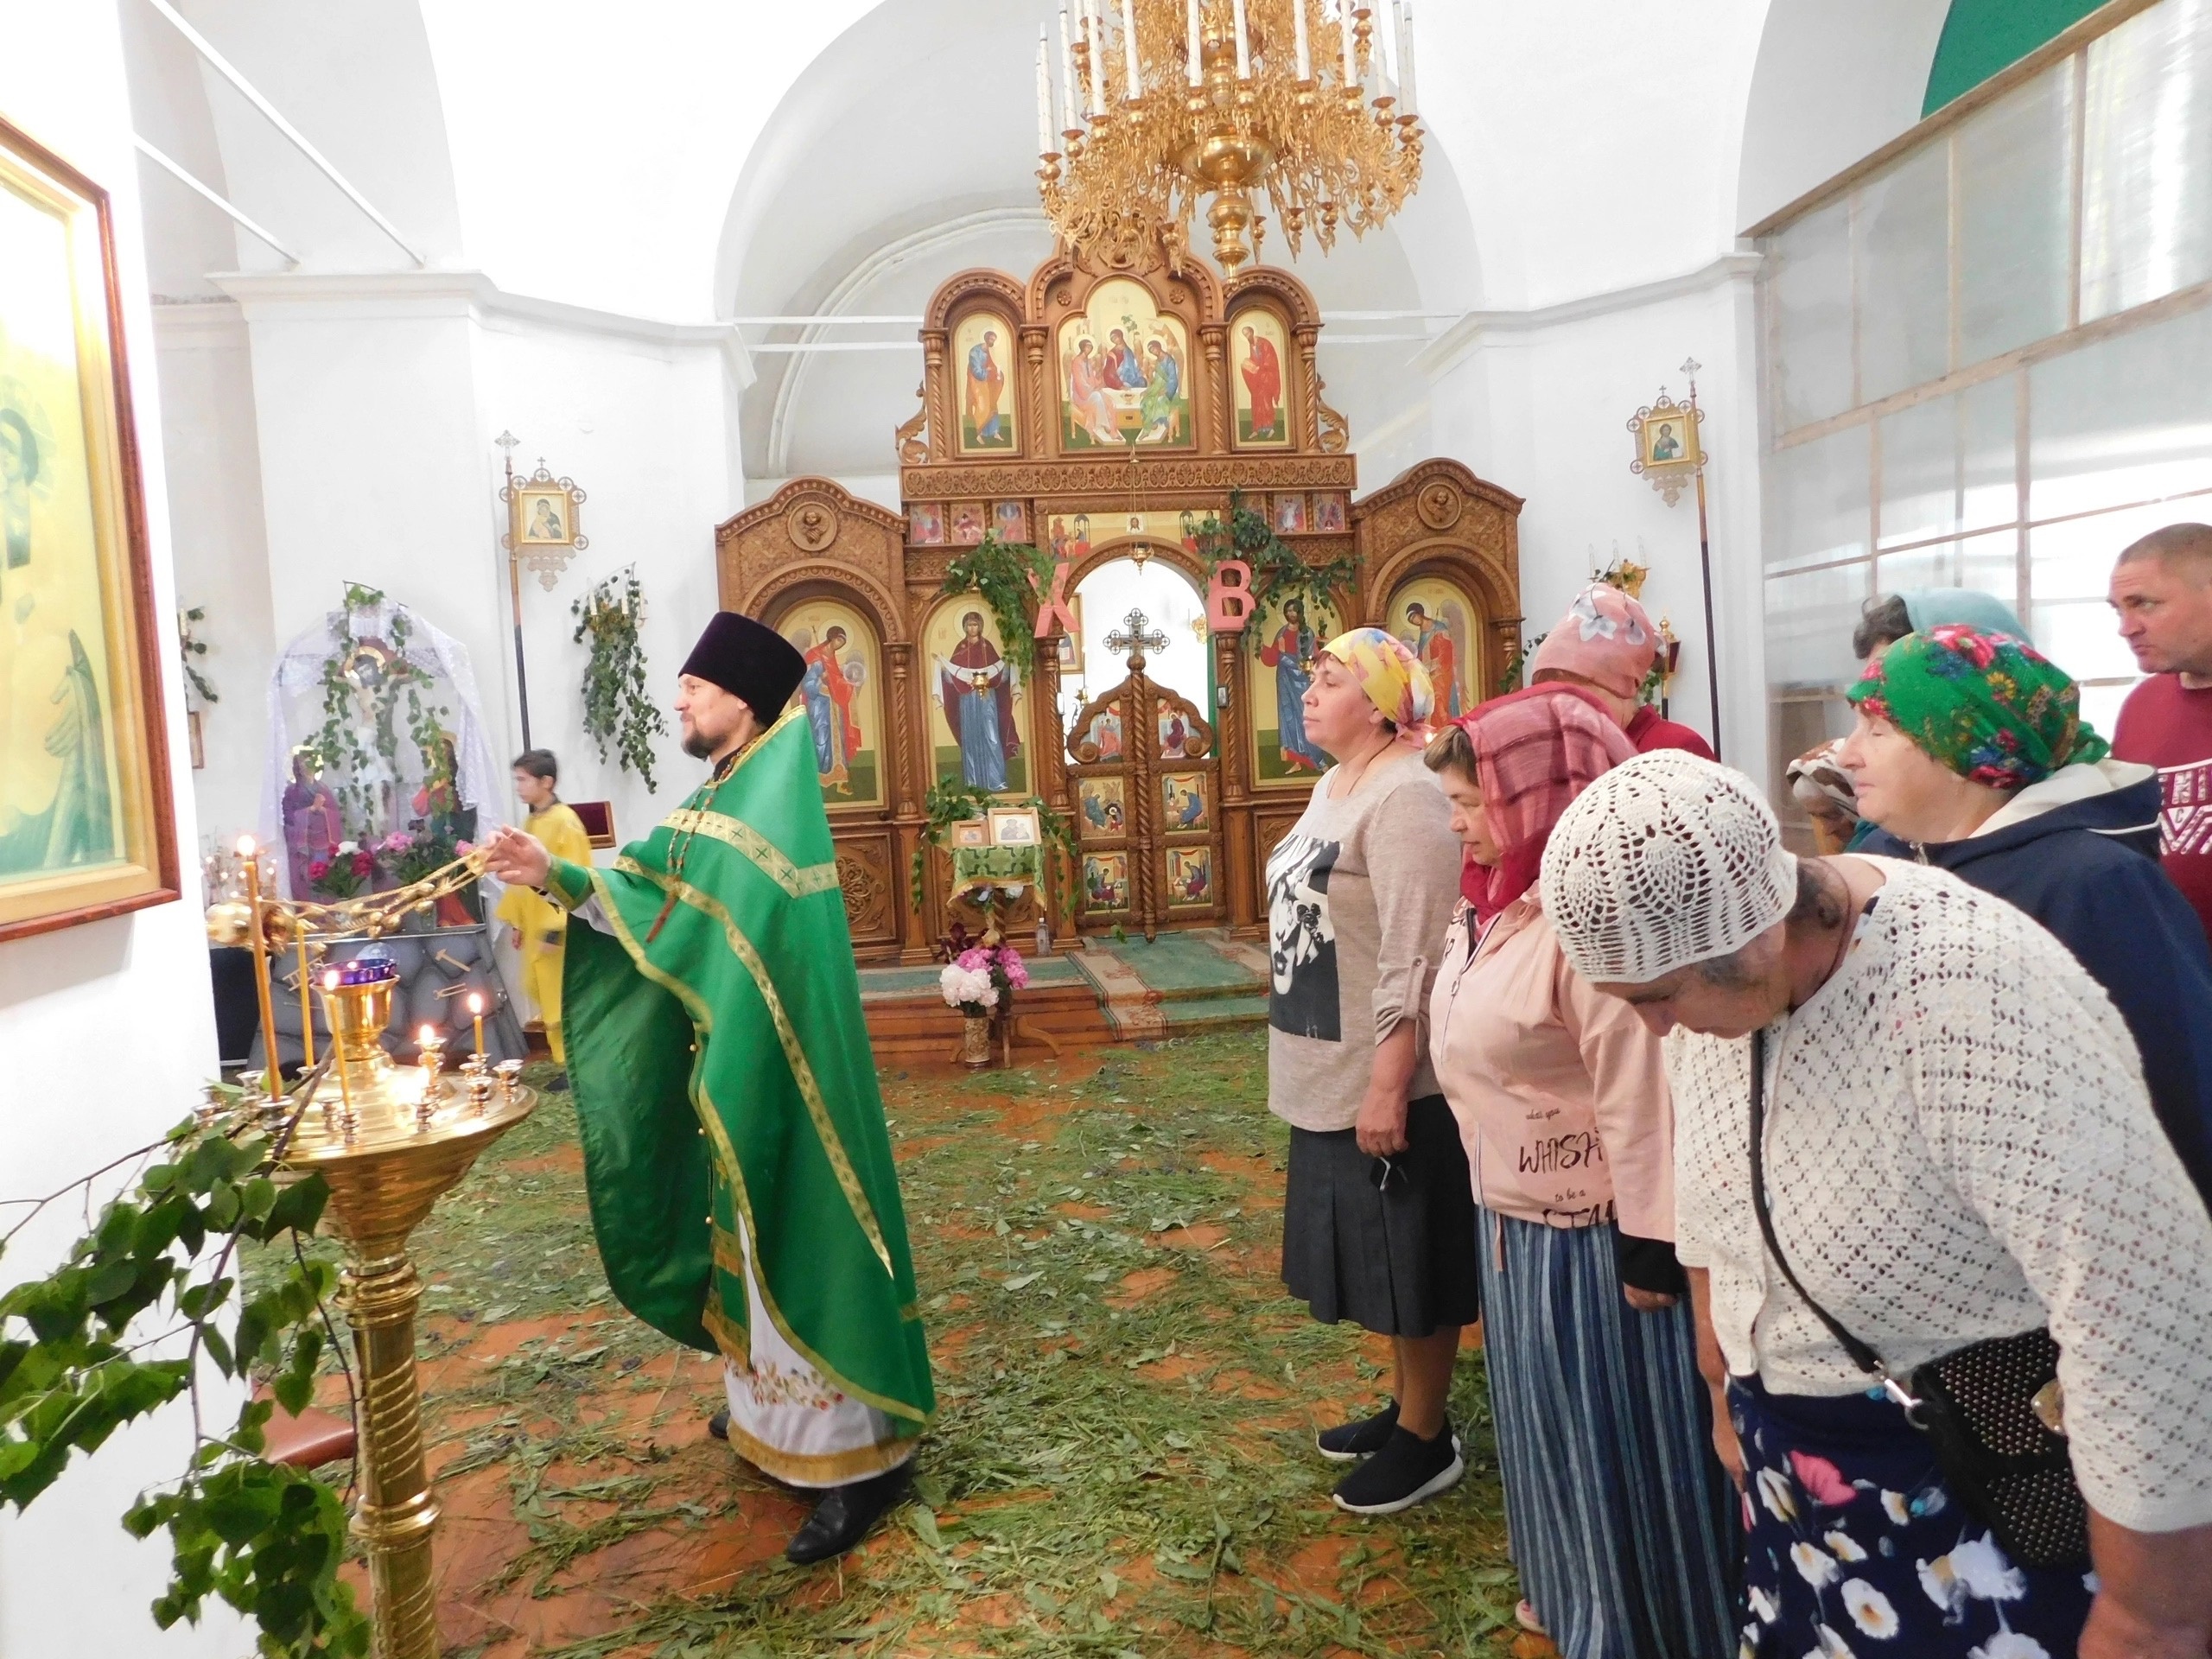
[735, 1157]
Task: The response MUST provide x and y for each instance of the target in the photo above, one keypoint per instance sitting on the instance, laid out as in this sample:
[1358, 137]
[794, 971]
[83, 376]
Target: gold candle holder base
[391, 1141]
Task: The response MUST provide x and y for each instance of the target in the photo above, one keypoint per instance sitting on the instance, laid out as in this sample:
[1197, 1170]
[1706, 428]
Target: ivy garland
[337, 748]
[190, 649]
[265, 1538]
[954, 802]
[618, 711]
[1278, 574]
[1009, 575]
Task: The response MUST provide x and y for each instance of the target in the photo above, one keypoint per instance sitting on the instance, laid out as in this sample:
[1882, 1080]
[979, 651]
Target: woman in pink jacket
[1620, 1517]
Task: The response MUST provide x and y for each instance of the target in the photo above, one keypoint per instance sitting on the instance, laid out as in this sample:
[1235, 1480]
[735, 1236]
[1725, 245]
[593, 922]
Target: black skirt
[1400, 1260]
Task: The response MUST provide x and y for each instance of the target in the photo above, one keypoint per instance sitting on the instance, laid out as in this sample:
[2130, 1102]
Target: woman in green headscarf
[1970, 752]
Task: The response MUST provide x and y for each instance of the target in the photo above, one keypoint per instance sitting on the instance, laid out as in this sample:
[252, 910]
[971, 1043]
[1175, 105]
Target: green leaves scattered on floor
[1124, 1461]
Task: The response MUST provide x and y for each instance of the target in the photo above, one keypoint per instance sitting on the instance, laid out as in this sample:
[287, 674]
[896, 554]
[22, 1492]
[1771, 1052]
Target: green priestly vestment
[727, 1097]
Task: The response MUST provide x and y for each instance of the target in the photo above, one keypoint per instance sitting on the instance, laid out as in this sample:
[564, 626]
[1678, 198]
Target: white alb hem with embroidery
[788, 1420]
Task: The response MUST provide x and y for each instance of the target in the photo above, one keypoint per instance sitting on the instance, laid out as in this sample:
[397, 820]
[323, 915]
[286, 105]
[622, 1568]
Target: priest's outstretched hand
[518, 859]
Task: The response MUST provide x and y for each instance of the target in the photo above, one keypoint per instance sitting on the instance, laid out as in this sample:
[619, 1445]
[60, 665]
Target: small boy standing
[540, 925]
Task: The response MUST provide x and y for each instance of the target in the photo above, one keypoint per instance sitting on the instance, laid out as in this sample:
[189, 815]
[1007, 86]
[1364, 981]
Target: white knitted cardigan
[1958, 1146]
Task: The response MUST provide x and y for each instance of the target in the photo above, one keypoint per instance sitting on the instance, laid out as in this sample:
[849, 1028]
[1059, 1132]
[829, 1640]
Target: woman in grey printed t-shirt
[1378, 1219]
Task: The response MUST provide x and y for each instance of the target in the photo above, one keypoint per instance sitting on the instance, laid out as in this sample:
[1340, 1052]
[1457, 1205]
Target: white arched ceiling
[1833, 82]
[903, 153]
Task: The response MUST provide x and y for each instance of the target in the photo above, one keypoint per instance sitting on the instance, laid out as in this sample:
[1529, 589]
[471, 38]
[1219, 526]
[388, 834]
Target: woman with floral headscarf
[1616, 1504]
[1378, 1217]
[1970, 753]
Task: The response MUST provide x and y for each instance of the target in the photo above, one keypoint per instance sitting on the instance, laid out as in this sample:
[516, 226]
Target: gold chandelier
[1218, 97]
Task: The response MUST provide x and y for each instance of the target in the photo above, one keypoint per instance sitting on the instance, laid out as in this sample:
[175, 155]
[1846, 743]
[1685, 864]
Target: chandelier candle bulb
[1405, 57]
[1044, 145]
[1303, 48]
[1094, 41]
[1068, 120]
[1351, 49]
[1243, 45]
[1196, 49]
[1134, 77]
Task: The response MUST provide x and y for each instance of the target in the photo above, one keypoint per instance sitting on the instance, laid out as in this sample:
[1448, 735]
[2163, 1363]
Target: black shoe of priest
[557, 1084]
[718, 1424]
[843, 1517]
[1350, 1442]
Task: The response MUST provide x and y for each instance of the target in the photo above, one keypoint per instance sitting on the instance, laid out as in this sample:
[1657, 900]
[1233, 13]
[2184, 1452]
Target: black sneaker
[1350, 1442]
[1406, 1470]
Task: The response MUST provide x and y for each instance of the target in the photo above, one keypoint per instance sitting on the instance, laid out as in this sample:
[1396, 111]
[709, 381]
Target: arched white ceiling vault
[684, 160]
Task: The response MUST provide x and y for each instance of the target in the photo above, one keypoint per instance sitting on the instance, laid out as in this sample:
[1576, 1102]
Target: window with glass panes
[1987, 362]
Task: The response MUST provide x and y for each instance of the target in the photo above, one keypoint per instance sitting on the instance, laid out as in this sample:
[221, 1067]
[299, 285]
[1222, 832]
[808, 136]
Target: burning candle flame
[246, 846]
[330, 980]
[475, 1002]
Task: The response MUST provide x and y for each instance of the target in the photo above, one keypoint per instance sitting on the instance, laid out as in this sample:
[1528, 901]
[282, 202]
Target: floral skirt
[1858, 1547]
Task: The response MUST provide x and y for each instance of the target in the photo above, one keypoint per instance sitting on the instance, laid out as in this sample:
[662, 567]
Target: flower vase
[976, 1041]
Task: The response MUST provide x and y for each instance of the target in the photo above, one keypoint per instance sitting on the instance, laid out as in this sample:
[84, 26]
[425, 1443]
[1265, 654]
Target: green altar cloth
[723, 1080]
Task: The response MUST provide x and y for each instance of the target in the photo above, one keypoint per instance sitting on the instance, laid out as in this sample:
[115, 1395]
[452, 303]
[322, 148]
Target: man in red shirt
[1606, 645]
[2162, 589]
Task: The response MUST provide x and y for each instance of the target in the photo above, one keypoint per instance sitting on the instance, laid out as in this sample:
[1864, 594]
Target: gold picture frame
[969, 834]
[544, 523]
[86, 827]
[1015, 826]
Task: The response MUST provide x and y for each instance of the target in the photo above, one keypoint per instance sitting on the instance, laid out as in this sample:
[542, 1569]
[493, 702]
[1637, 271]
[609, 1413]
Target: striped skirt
[1623, 1524]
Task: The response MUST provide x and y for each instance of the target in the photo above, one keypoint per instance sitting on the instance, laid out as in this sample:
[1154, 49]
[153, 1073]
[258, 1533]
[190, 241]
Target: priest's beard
[699, 746]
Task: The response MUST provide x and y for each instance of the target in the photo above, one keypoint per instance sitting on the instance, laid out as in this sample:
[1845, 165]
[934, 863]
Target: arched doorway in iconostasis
[1138, 696]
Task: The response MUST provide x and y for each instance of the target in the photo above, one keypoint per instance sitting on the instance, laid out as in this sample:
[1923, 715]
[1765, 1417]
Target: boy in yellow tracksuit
[540, 925]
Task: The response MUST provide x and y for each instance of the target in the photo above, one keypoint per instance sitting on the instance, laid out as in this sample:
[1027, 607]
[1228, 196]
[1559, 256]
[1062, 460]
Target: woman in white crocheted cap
[1957, 1148]
[1621, 1520]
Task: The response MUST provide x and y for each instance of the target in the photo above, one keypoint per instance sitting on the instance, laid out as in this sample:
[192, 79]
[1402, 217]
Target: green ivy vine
[1278, 574]
[191, 649]
[155, 1267]
[338, 748]
[1009, 575]
[620, 715]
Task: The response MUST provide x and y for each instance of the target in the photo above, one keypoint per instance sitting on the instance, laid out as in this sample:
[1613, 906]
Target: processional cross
[1136, 635]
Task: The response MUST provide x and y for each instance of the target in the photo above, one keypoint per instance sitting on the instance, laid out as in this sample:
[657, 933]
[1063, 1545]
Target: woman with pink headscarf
[1605, 646]
[1617, 1510]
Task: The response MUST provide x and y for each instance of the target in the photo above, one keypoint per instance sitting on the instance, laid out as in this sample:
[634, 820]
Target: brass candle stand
[389, 1141]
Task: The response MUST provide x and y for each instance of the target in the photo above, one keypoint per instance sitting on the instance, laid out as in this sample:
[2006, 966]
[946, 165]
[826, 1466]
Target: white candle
[1067, 77]
[1298, 36]
[1131, 70]
[1045, 144]
[1197, 49]
[1094, 35]
[1351, 49]
[1243, 45]
[1405, 57]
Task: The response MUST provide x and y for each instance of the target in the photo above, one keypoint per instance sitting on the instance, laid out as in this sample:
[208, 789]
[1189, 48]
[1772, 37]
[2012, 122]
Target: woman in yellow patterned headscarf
[1392, 679]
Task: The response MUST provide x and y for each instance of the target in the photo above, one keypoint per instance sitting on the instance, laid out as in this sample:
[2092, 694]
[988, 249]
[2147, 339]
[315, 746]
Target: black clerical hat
[749, 659]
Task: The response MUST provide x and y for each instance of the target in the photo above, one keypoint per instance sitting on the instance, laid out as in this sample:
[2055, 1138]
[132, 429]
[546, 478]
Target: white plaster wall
[1541, 406]
[209, 434]
[641, 427]
[107, 1028]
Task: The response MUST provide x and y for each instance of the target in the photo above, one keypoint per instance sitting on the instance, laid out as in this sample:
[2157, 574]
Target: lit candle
[1298, 41]
[1131, 72]
[1196, 49]
[1243, 45]
[1405, 57]
[476, 1013]
[427, 1041]
[1045, 144]
[1094, 40]
[1351, 45]
[1067, 77]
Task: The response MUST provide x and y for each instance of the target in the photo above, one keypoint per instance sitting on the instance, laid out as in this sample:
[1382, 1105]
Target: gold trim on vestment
[821, 1468]
[809, 1089]
[703, 1106]
[799, 880]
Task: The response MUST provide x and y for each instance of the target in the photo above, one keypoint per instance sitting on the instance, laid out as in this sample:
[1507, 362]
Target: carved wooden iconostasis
[1104, 414]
